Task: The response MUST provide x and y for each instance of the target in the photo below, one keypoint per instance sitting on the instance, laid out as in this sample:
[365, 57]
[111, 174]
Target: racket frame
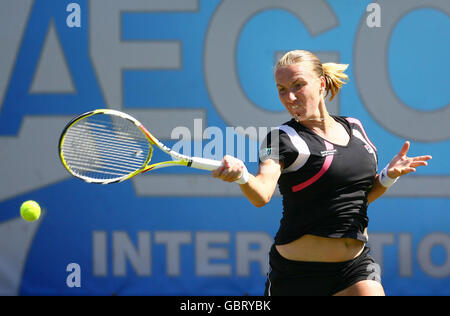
[181, 160]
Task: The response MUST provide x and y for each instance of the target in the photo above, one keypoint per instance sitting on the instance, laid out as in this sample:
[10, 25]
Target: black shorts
[301, 278]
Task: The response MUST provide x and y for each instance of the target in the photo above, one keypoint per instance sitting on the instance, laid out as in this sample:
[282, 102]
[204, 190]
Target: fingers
[401, 164]
[231, 169]
[422, 158]
[419, 161]
[218, 172]
[415, 164]
[402, 171]
[407, 165]
[404, 149]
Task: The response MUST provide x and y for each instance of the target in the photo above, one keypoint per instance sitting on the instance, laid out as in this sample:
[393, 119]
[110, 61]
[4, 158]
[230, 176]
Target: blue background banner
[206, 66]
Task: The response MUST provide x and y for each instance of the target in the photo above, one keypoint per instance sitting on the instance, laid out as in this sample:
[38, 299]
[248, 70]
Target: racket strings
[109, 149]
[105, 147]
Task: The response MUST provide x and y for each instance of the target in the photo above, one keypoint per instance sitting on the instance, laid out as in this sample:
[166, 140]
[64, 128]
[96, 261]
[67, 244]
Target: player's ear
[323, 84]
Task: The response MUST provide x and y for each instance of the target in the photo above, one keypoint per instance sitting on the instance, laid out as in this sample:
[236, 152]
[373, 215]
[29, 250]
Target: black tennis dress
[324, 188]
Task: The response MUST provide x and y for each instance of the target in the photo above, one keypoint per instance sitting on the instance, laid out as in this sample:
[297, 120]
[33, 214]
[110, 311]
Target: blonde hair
[333, 73]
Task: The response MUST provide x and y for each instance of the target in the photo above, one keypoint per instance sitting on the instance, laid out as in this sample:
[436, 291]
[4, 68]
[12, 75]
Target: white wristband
[384, 179]
[244, 177]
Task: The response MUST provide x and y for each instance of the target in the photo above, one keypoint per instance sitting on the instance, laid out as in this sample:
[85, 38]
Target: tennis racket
[108, 146]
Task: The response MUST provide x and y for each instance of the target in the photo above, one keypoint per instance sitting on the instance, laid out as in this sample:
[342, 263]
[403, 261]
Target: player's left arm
[376, 191]
[399, 166]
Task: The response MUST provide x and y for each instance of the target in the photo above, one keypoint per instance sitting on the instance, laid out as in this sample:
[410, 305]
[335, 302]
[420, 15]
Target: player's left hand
[401, 164]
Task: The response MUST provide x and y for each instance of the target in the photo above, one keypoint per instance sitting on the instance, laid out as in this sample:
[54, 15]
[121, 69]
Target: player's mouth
[295, 108]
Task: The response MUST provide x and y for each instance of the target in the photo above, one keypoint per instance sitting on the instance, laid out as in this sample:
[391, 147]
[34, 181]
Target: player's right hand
[231, 169]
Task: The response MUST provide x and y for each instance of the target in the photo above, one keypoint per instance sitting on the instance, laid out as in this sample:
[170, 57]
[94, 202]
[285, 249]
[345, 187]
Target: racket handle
[205, 164]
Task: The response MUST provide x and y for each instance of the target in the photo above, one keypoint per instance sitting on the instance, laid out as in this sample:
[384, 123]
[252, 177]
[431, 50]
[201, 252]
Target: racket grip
[205, 164]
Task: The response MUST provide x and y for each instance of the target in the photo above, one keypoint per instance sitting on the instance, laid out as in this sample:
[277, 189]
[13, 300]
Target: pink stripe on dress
[326, 165]
[357, 122]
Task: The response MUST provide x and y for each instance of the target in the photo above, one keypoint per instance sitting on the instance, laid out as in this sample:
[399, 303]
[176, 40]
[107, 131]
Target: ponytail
[334, 77]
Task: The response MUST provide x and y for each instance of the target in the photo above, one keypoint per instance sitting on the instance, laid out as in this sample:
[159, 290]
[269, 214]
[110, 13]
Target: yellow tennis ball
[30, 211]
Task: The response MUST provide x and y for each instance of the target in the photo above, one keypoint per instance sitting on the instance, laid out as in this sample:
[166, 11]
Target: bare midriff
[322, 249]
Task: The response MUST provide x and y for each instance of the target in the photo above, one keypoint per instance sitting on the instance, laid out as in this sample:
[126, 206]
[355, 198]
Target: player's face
[299, 89]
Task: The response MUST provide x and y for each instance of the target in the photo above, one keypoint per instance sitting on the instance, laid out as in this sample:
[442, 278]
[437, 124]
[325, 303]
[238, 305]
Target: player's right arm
[258, 189]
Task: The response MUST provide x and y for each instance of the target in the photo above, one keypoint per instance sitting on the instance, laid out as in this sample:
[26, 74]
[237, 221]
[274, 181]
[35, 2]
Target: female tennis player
[326, 170]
